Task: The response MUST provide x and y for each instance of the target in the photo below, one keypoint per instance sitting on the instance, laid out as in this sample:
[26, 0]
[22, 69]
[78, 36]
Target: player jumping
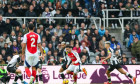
[12, 68]
[74, 68]
[63, 68]
[114, 64]
[41, 57]
[31, 42]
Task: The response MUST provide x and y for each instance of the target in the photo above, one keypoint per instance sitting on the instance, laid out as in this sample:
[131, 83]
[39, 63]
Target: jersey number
[33, 41]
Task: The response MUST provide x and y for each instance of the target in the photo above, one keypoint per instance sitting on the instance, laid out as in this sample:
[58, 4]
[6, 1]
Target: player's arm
[108, 57]
[39, 45]
[77, 57]
[24, 45]
[69, 60]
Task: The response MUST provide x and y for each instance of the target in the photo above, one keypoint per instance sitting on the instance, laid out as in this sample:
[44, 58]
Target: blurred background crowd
[87, 39]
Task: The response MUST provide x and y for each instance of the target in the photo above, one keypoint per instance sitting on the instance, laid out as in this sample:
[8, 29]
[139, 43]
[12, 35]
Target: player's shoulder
[74, 52]
[15, 56]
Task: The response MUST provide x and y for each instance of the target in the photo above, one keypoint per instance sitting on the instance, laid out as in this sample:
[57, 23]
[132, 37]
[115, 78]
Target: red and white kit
[31, 53]
[74, 57]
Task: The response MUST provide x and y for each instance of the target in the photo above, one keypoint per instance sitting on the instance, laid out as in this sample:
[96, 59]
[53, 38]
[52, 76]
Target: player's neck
[31, 30]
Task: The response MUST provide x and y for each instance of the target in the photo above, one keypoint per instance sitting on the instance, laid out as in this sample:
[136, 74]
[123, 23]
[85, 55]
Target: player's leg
[40, 74]
[76, 70]
[127, 74]
[109, 70]
[63, 68]
[27, 66]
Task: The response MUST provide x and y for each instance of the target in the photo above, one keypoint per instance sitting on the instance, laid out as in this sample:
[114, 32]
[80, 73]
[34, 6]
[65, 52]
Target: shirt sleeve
[68, 60]
[25, 39]
[38, 41]
[77, 57]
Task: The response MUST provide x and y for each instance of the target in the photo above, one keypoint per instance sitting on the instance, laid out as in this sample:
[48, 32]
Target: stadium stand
[85, 35]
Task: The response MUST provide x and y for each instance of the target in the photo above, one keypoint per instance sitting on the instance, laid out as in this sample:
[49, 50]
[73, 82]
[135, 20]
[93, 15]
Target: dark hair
[68, 46]
[31, 26]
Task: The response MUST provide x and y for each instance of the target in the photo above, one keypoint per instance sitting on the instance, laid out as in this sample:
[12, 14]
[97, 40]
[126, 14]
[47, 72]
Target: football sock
[20, 77]
[16, 78]
[40, 76]
[71, 73]
[62, 75]
[75, 78]
[36, 78]
[28, 72]
[109, 79]
[34, 74]
[127, 74]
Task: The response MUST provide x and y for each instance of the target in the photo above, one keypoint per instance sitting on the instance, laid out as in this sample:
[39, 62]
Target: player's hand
[73, 63]
[102, 61]
[66, 66]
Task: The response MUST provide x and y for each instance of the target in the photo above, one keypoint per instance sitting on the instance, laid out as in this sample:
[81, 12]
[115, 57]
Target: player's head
[107, 44]
[68, 48]
[31, 26]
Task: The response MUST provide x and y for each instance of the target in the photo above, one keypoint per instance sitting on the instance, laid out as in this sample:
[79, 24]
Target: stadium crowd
[87, 40]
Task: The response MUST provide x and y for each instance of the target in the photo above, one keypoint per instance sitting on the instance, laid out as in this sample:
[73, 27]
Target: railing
[74, 18]
[121, 19]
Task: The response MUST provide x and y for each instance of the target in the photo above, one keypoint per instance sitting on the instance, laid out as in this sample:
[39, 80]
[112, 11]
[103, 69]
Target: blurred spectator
[86, 41]
[72, 4]
[127, 33]
[97, 60]
[87, 15]
[124, 61]
[131, 38]
[56, 57]
[58, 14]
[66, 29]
[114, 43]
[13, 36]
[101, 31]
[2, 25]
[136, 6]
[47, 13]
[47, 35]
[133, 61]
[50, 47]
[45, 48]
[137, 29]
[68, 20]
[7, 49]
[107, 35]
[8, 26]
[1, 60]
[96, 34]
[24, 29]
[89, 35]
[83, 27]
[10, 13]
[94, 45]
[58, 5]
[93, 28]
[73, 35]
[14, 47]
[51, 61]
[81, 35]
[54, 42]
[50, 6]
[30, 12]
[102, 43]
[51, 29]
[8, 59]
[119, 50]
[77, 48]
[6, 37]
[135, 48]
[4, 56]
[2, 41]
[83, 61]
[83, 46]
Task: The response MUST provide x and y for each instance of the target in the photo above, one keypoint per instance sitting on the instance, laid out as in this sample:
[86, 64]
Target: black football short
[64, 65]
[112, 67]
[11, 69]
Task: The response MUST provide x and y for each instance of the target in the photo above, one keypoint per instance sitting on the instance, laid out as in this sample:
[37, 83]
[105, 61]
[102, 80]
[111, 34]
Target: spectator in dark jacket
[124, 61]
[127, 33]
[2, 25]
[94, 45]
[107, 35]
[30, 12]
[47, 35]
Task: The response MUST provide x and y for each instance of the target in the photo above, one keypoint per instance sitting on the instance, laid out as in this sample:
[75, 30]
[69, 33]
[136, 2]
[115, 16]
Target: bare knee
[68, 71]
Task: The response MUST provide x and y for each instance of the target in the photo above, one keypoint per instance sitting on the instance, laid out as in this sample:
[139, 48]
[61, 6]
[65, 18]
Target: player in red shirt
[31, 43]
[74, 68]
